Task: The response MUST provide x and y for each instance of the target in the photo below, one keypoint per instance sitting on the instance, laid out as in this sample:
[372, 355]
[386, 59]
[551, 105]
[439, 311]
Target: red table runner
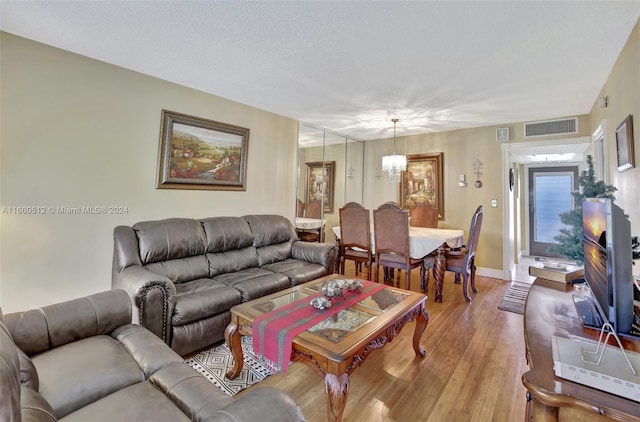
[274, 331]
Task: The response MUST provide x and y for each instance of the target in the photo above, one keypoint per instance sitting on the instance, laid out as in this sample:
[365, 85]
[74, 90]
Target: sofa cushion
[231, 261]
[38, 330]
[274, 253]
[79, 373]
[202, 298]
[226, 233]
[168, 239]
[297, 271]
[254, 282]
[270, 229]
[183, 269]
[138, 402]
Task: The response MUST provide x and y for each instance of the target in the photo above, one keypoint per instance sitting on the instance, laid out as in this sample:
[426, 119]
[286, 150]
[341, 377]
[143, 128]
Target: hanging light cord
[394, 120]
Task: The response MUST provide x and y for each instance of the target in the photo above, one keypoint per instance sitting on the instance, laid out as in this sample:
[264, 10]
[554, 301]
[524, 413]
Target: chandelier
[394, 164]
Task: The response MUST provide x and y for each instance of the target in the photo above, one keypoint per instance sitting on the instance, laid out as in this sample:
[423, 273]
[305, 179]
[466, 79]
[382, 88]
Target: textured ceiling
[352, 66]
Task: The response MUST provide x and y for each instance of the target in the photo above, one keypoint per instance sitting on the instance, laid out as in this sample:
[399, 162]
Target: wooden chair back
[393, 251]
[355, 226]
[355, 237]
[313, 210]
[424, 215]
[391, 229]
[474, 232]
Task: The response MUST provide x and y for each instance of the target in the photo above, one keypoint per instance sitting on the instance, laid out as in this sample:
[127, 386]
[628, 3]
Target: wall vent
[551, 127]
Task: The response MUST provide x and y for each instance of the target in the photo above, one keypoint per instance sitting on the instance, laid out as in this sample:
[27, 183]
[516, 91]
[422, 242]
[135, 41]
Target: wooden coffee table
[338, 345]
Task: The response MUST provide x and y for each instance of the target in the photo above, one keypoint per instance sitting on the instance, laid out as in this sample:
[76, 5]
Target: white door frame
[513, 154]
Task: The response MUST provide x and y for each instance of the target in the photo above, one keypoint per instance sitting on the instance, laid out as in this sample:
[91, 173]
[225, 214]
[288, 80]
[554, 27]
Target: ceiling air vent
[551, 127]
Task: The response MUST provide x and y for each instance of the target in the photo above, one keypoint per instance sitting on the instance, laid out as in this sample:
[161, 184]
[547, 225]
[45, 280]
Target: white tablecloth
[423, 241]
[309, 223]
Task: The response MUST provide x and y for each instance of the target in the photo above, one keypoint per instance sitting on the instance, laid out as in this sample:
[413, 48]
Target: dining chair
[391, 232]
[311, 210]
[461, 260]
[355, 237]
[424, 215]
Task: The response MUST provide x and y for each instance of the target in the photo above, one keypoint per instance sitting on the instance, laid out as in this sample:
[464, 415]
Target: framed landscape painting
[197, 153]
[320, 183]
[422, 182]
[624, 144]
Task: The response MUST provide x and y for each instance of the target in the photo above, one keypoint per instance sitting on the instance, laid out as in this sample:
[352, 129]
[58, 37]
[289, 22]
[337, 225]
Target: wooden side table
[550, 311]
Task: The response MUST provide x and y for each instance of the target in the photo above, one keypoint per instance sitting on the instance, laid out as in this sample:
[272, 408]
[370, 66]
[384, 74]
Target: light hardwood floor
[475, 358]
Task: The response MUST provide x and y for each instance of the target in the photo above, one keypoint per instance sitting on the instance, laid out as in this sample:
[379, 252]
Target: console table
[550, 311]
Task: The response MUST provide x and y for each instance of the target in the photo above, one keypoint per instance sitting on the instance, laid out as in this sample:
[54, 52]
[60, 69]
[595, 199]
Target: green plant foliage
[570, 241]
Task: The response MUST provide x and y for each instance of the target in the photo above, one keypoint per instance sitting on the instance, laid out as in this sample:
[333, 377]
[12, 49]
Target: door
[549, 195]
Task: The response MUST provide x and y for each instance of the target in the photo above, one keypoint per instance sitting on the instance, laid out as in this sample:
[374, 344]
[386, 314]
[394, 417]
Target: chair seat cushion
[76, 374]
[397, 259]
[297, 271]
[202, 298]
[356, 253]
[253, 283]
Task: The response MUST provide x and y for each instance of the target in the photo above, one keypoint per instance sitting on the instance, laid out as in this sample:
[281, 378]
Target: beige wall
[78, 132]
[623, 89]
[460, 148]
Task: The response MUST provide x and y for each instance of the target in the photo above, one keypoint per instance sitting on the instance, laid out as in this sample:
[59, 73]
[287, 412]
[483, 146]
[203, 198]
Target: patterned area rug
[216, 362]
[515, 298]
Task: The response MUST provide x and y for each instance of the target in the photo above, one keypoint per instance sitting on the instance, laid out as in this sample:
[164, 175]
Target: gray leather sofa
[184, 275]
[83, 360]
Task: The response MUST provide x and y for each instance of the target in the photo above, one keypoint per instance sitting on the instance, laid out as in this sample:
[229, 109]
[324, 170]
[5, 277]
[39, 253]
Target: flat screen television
[607, 261]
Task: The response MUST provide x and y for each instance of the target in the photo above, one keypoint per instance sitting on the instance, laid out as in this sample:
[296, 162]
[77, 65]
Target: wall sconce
[477, 169]
[603, 102]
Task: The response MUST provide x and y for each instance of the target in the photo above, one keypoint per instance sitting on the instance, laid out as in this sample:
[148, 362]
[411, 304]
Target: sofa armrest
[152, 298]
[264, 404]
[324, 254]
[201, 400]
[146, 348]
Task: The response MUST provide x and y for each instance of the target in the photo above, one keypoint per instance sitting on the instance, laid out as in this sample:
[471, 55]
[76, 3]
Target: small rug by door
[515, 298]
[216, 362]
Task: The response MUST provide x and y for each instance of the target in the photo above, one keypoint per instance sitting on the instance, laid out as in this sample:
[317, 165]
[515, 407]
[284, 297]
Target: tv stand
[551, 311]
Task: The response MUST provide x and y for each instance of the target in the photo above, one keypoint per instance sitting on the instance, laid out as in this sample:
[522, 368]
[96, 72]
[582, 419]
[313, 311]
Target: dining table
[312, 224]
[427, 242]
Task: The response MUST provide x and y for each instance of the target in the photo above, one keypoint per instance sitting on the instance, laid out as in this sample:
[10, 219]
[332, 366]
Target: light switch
[494, 203]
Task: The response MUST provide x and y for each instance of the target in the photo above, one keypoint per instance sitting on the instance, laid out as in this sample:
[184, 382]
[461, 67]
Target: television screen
[607, 260]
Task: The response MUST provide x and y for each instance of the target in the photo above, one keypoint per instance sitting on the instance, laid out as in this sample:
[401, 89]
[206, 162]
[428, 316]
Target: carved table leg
[234, 342]
[336, 389]
[421, 325]
[439, 267]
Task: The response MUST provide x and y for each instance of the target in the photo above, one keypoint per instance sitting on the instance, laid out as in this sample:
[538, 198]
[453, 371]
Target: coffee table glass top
[335, 327]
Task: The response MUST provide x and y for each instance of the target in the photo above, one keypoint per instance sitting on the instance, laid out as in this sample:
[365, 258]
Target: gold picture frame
[422, 182]
[624, 144]
[320, 183]
[197, 153]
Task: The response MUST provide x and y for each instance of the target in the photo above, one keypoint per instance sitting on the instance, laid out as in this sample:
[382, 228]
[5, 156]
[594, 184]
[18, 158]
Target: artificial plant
[570, 240]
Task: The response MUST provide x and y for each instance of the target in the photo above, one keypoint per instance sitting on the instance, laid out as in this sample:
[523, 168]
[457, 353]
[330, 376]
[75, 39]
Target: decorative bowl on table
[335, 288]
[320, 302]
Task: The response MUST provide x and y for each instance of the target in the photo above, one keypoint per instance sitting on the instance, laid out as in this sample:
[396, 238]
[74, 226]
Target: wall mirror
[330, 174]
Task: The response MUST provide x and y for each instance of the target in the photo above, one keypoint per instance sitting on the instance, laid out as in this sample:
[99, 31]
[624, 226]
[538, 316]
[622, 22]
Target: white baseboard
[490, 272]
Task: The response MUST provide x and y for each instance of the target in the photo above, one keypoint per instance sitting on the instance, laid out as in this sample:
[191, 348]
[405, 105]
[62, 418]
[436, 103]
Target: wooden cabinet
[550, 311]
